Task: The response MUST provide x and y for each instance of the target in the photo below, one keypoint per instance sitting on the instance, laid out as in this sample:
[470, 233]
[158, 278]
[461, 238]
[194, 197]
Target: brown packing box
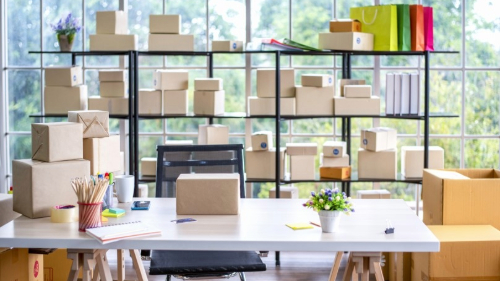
[266, 83]
[346, 41]
[60, 100]
[378, 139]
[335, 172]
[51, 142]
[334, 161]
[302, 167]
[345, 25]
[467, 253]
[6, 213]
[262, 140]
[262, 164]
[175, 102]
[316, 80]
[287, 192]
[112, 75]
[267, 106]
[103, 154]
[40, 185]
[113, 89]
[170, 79]
[208, 84]
[111, 22]
[334, 149]
[169, 24]
[227, 46]
[118, 106]
[369, 164]
[209, 102]
[357, 91]
[14, 265]
[171, 42]
[95, 122]
[148, 166]
[374, 194]
[314, 100]
[208, 194]
[351, 107]
[56, 266]
[213, 134]
[345, 82]
[301, 148]
[113, 42]
[412, 160]
[150, 101]
[35, 267]
[398, 266]
[63, 76]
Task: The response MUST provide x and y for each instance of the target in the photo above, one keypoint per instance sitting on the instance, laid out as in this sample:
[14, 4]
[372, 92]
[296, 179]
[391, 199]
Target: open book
[114, 232]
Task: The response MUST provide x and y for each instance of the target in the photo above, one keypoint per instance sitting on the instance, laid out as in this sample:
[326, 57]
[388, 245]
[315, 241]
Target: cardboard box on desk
[334, 161]
[374, 194]
[345, 25]
[302, 167]
[267, 106]
[378, 139]
[63, 76]
[356, 107]
[6, 213]
[262, 164]
[113, 42]
[370, 167]
[208, 84]
[51, 142]
[301, 148]
[345, 82]
[35, 267]
[165, 24]
[171, 42]
[175, 102]
[316, 80]
[112, 75]
[148, 166]
[95, 122]
[150, 101]
[113, 89]
[40, 185]
[262, 140]
[314, 100]
[170, 80]
[412, 160]
[334, 149]
[111, 22]
[118, 106]
[286, 192]
[60, 100]
[335, 172]
[209, 102]
[14, 265]
[208, 194]
[213, 134]
[346, 41]
[266, 83]
[227, 46]
[103, 154]
[357, 91]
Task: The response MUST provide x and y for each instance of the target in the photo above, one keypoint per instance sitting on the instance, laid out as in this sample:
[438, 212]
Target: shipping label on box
[345, 25]
[262, 164]
[175, 102]
[95, 122]
[374, 194]
[52, 142]
[117, 106]
[166, 24]
[209, 102]
[357, 91]
[208, 84]
[378, 139]
[266, 83]
[14, 265]
[170, 79]
[345, 82]
[111, 22]
[35, 267]
[60, 100]
[262, 140]
[412, 160]
[302, 167]
[112, 75]
[286, 192]
[370, 167]
[148, 166]
[113, 42]
[227, 46]
[356, 107]
[150, 101]
[317, 80]
[314, 100]
[334, 149]
[346, 41]
[103, 154]
[113, 89]
[171, 42]
[267, 106]
[213, 134]
[63, 76]
[335, 172]
[301, 148]
[334, 161]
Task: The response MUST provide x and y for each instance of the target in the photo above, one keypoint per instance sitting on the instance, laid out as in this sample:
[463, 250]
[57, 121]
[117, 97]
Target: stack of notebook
[114, 232]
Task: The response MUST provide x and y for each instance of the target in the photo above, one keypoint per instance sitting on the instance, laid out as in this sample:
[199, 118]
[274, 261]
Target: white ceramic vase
[329, 220]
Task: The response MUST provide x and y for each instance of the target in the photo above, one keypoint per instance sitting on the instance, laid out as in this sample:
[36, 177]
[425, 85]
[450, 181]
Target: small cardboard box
[56, 265]
[208, 194]
[111, 22]
[266, 83]
[356, 107]
[374, 194]
[103, 154]
[6, 213]
[14, 265]
[165, 24]
[302, 167]
[412, 160]
[113, 89]
[316, 80]
[209, 102]
[378, 139]
[334, 149]
[227, 46]
[113, 42]
[335, 172]
[288, 192]
[148, 166]
[35, 267]
[213, 134]
[41, 185]
[175, 102]
[208, 84]
[95, 122]
[357, 91]
[345, 25]
[334, 161]
[262, 164]
[314, 100]
[63, 76]
[170, 79]
[301, 148]
[262, 140]
[150, 101]
[52, 142]
[370, 164]
[467, 252]
[117, 106]
[60, 100]
[346, 41]
[345, 82]
[112, 75]
[267, 106]
[179, 142]
[171, 42]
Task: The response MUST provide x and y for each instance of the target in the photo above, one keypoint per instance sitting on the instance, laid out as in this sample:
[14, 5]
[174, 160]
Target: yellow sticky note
[300, 225]
[104, 219]
[107, 213]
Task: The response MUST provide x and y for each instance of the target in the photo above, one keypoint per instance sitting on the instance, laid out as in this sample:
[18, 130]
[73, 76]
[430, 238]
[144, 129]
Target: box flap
[448, 174]
[465, 233]
[476, 173]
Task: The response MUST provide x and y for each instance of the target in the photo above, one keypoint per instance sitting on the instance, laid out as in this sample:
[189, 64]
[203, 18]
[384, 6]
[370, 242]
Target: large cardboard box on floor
[95, 122]
[467, 252]
[63, 76]
[113, 42]
[412, 160]
[148, 166]
[208, 194]
[170, 80]
[316, 80]
[227, 46]
[171, 42]
[334, 161]
[359, 107]
[267, 106]
[287, 192]
[118, 106]
[213, 134]
[370, 164]
[60, 100]
[262, 164]
[6, 213]
[56, 266]
[209, 102]
[165, 24]
[378, 139]
[150, 101]
[35, 267]
[346, 41]
[41, 185]
[115, 89]
[59, 141]
[175, 102]
[266, 83]
[314, 100]
[103, 154]
[112, 75]
[262, 140]
[302, 167]
[111, 22]
[14, 265]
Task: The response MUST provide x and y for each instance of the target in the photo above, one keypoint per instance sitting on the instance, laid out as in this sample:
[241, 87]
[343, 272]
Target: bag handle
[373, 20]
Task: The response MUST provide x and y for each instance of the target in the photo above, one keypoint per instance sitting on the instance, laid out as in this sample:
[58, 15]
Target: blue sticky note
[116, 210]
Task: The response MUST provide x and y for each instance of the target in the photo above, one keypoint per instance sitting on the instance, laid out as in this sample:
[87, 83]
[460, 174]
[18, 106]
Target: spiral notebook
[115, 232]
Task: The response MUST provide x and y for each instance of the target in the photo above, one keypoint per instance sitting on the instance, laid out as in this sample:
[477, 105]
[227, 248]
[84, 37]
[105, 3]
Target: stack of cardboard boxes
[227, 46]
[64, 90]
[111, 33]
[165, 34]
[378, 145]
[209, 96]
[345, 35]
[113, 93]
[302, 160]
[412, 160]
[265, 102]
[356, 99]
[334, 161]
[213, 134]
[170, 94]
[315, 96]
[260, 158]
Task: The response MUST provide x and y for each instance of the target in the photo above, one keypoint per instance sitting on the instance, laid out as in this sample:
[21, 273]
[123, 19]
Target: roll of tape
[64, 213]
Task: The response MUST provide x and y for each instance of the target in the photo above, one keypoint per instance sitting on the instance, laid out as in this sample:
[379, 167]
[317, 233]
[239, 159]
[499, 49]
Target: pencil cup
[89, 215]
[108, 198]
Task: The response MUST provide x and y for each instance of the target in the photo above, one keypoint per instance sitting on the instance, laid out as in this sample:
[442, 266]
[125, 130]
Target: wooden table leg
[121, 265]
[336, 265]
[349, 269]
[138, 266]
[103, 266]
[365, 276]
[379, 275]
[75, 266]
[355, 275]
[88, 265]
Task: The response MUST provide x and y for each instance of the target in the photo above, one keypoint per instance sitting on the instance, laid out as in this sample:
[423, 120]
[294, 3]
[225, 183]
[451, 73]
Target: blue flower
[345, 210]
[352, 210]
[330, 198]
[347, 202]
[312, 193]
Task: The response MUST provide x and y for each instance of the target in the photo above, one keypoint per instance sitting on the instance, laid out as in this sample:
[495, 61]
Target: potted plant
[330, 203]
[66, 29]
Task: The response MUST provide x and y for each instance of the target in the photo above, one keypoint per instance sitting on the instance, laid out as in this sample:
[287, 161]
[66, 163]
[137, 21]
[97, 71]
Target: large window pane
[24, 98]
[20, 148]
[482, 153]
[482, 102]
[23, 32]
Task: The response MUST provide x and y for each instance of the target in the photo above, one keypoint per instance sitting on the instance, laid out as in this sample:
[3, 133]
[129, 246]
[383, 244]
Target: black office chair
[173, 161]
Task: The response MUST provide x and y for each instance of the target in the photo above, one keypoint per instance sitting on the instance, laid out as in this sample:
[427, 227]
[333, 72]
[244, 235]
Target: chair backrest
[173, 160]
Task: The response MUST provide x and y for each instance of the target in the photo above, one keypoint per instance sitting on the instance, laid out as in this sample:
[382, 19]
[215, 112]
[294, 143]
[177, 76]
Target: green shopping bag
[404, 27]
[382, 22]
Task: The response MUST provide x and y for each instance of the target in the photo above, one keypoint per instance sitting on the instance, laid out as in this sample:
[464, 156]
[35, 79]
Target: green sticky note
[116, 210]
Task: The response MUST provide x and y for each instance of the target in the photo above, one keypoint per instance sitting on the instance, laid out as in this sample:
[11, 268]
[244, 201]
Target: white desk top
[260, 226]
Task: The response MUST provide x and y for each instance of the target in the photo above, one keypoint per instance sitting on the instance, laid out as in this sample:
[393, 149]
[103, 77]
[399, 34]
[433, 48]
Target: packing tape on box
[64, 213]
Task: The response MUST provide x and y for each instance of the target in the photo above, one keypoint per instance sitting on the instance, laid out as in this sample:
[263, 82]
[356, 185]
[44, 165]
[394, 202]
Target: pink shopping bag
[428, 29]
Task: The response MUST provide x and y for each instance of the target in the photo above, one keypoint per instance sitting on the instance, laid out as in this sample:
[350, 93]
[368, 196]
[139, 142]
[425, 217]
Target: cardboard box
[52, 142]
[374, 194]
[35, 267]
[209, 102]
[95, 122]
[165, 24]
[357, 91]
[335, 172]
[63, 76]
[398, 266]
[214, 155]
[345, 82]
[6, 213]
[208, 194]
[345, 25]
[378, 139]
[112, 75]
[179, 142]
[314, 100]
[266, 83]
[103, 154]
[267, 106]
[116, 106]
[150, 101]
[113, 42]
[412, 160]
[227, 46]
[262, 140]
[171, 42]
[175, 102]
[14, 265]
[40, 185]
[111, 22]
[56, 265]
[467, 252]
[356, 107]
[213, 134]
[346, 41]
[334, 149]
[60, 100]
[334, 161]
[301, 148]
[208, 84]
[369, 164]
[302, 167]
[113, 89]
[316, 80]
[170, 79]
[286, 192]
[148, 166]
[262, 164]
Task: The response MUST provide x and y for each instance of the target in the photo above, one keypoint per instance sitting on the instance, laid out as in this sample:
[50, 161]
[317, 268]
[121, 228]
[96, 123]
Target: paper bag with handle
[404, 27]
[428, 29]
[417, 27]
[382, 22]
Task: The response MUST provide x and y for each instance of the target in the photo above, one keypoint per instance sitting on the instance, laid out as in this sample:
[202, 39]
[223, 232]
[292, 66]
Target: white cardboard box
[267, 106]
[334, 161]
[63, 76]
[175, 102]
[301, 148]
[317, 80]
[346, 41]
[357, 91]
[111, 22]
[103, 154]
[377, 165]
[117, 106]
[374, 194]
[148, 166]
[166, 24]
[262, 164]
[302, 167]
[412, 160]
[113, 89]
[262, 140]
[171, 42]
[170, 79]
[334, 149]
[208, 84]
[60, 100]
[150, 101]
[266, 83]
[209, 102]
[286, 192]
[112, 75]
[359, 107]
[213, 134]
[314, 100]
[345, 82]
[113, 42]
[227, 46]
[378, 139]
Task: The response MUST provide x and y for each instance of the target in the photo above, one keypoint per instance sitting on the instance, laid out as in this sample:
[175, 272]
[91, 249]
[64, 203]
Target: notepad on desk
[297, 226]
[115, 232]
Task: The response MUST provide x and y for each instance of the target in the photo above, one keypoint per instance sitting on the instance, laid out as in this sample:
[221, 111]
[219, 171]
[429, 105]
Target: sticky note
[297, 226]
[116, 211]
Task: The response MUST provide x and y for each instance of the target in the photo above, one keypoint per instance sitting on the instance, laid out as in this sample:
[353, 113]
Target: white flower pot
[329, 220]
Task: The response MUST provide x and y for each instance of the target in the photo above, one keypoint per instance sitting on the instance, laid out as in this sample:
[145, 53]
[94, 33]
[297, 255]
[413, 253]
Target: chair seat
[200, 262]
